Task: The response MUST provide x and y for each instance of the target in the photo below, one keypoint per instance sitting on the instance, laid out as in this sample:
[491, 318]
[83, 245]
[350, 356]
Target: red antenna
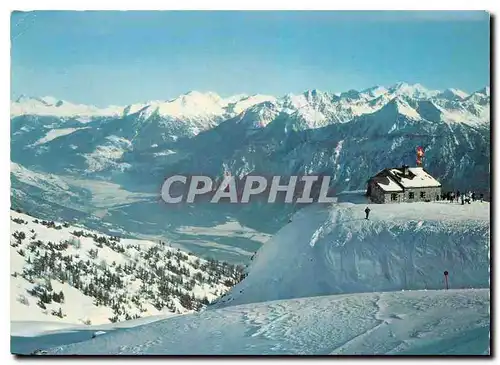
[446, 279]
[420, 155]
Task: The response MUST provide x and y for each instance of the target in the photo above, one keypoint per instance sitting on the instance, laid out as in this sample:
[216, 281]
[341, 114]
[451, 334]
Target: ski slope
[332, 249]
[418, 322]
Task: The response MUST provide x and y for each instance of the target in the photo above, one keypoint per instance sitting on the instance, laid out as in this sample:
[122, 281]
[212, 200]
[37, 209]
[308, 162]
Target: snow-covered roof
[388, 184]
[418, 178]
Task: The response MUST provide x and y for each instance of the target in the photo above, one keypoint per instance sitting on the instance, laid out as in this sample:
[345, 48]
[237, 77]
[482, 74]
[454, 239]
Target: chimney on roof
[406, 170]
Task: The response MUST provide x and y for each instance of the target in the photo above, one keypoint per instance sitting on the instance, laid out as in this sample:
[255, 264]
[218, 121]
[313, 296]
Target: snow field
[416, 322]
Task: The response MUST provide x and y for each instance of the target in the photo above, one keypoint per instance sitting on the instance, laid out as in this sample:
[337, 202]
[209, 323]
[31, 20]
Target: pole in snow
[446, 279]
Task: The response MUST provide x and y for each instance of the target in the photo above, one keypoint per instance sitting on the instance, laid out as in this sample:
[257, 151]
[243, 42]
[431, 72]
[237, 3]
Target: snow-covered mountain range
[313, 105]
[126, 152]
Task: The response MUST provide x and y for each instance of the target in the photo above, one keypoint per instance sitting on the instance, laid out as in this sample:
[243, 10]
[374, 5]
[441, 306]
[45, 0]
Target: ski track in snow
[371, 323]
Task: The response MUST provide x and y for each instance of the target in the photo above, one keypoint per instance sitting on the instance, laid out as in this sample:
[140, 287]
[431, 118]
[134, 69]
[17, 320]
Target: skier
[473, 196]
[367, 211]
[458, 195]
[481, 196]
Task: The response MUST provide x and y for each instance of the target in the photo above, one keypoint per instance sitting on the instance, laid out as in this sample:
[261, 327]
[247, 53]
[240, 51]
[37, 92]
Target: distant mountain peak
[51, 106]
[351, 94]
[453, 94]
[485, 90]
[374, 91]
[407, 86]
[48, 100]
[417, 90]
[21, 98]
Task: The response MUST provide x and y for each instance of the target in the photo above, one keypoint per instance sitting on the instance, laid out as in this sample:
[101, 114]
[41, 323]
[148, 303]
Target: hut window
[394, 196]
[411, 195]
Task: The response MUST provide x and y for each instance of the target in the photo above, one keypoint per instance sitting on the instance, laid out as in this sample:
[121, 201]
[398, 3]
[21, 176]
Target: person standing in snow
[458, 195]
[473, 196]
[367, 211]
[481, 196]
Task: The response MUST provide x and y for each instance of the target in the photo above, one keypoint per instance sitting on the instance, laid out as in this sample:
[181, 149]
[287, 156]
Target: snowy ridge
[333, 249]
[416, 91]
[374, 91]
[192, 105]
[55, 133]
[52, 106]
[453, 94]
[48, 182]
[317, 108]
[241, 103]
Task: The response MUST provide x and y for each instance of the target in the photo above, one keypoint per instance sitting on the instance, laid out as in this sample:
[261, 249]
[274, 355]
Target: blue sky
[106, 58]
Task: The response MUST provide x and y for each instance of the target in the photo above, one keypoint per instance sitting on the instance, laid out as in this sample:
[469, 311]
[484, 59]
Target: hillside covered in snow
[333, 250]
[72, 275]
[89, 165]
[331, 282]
